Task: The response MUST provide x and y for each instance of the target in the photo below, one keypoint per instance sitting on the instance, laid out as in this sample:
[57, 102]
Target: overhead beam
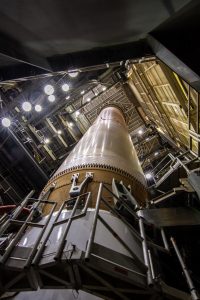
[91, 59]
[13, 53]
[98, 56]
[174, 63]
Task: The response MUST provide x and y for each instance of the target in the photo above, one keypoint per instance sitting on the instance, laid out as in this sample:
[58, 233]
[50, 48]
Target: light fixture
[88, 99]
[70, 124]
[46, 141]
[96, 93]
[73, 74]
[6, 122]
[140, 132]
[51, 98]
[148, 175]
[27, 106]
[77, 113]
[49, 89]
[67, 98]
[156, 153]
[82, 92]
[59, 131]
[147, 139]
[65, 87]
[38, 108]
[104, 88]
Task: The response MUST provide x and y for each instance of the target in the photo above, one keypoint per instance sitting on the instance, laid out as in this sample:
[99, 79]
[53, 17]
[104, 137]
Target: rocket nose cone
[112, 113]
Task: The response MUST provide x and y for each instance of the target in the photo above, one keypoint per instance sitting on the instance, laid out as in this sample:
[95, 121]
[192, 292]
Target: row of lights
[49, 90]
[26, 106]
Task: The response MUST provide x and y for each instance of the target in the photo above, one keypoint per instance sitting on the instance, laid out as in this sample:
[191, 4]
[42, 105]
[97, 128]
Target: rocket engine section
[89, 236]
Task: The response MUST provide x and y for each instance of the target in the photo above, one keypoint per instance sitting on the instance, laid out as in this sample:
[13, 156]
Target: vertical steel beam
[66, 230]
[151, 265]
[94, 224]
[191, 286]
[189, 120]
[198, 115]
[145, 252]
[165, 242]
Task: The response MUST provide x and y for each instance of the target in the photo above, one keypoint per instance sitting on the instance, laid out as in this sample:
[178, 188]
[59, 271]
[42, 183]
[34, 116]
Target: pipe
[191, 286]
[94, 224]
[145, 252]
[165, 242]
[151, 265]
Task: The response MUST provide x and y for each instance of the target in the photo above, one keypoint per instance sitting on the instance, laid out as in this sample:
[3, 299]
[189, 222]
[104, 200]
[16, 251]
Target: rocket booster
[106, 150]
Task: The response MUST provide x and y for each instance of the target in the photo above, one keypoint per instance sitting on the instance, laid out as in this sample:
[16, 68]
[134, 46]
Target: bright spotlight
[38, 108]
[71, 124]
[67, 98]
[77, 113]
[88, 99]
[82, 92]
[51, 98]
[46, 141]
[59, 131]
[73, 74]
[148, 175]
[6, 122]
[140, 132]
[65, 87]
[104, 88]
[27, 106]
[156, 153]
[49, 89]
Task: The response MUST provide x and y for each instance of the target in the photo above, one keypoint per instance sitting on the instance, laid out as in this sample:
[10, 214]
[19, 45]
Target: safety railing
[80, 203]
[170, 163]
[23, 225]
[146, 243]
[77, 207]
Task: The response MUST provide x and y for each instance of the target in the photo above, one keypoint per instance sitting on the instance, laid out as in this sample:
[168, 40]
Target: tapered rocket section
[106, 143]
[106, 150]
